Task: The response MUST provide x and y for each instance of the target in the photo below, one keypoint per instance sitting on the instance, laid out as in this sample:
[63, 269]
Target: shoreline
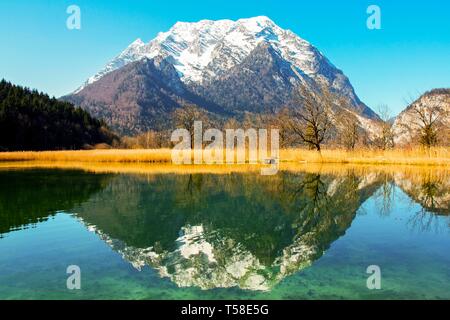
[439, 157]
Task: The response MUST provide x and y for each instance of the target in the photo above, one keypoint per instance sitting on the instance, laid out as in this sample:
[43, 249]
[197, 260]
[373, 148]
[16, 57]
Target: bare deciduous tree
[281, 121]
[350, 134]
[185, 117]
[311, 119]
[427, 122]
[385, 139]
[231, 123]
[348, 125]
[152, 139]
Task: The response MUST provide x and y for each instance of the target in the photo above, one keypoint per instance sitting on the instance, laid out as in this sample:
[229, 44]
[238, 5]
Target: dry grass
[109, 155]
[416, 171]
[416, 156]
[436, 156]
[132, 167]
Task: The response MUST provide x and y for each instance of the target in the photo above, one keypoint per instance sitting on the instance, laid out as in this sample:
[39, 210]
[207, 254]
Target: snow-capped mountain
[134, 52]
[199, 243]
[209, 56]
[203, 50]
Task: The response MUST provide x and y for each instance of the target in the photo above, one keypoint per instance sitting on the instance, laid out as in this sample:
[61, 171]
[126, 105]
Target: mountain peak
[201, 50]
[218, 54]
[259, 21]
[137, 43]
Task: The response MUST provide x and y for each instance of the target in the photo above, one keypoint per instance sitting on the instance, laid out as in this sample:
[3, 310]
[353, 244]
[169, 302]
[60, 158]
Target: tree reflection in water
[213, 231]
[219, 230]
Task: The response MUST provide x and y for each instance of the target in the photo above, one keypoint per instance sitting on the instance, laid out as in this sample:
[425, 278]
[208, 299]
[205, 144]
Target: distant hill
[31, 120]
[407, 123]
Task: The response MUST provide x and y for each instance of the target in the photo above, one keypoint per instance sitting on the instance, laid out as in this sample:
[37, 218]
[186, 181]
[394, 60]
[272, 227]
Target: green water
[295, 235]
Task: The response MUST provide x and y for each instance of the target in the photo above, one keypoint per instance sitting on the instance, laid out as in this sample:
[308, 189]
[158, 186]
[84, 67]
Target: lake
[143, 232]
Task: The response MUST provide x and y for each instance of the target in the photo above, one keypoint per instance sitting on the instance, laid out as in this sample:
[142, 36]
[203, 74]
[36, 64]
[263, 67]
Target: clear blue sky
[410, 54]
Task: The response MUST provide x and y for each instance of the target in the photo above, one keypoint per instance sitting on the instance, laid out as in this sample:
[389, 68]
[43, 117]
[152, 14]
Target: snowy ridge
[206, 49]
[193, 263]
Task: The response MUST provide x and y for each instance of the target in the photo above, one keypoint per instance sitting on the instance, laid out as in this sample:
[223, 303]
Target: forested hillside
[31, 120]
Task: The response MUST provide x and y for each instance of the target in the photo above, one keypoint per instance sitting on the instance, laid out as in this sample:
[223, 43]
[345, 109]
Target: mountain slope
[272, 83]
[134, 97]
[248, 65]
[407, 123]
[138, 97]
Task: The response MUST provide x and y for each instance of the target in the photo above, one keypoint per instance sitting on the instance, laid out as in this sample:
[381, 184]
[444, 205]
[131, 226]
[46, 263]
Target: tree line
[319, 118]
[30, 120]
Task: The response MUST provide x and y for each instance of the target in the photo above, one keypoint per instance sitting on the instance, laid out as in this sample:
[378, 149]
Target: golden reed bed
[416, 173]
[435, 156]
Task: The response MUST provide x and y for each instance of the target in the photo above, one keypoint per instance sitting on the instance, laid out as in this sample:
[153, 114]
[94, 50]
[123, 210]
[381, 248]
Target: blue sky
[409, 55]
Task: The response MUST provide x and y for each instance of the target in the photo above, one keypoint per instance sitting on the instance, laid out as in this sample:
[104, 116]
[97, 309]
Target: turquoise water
[295, 235]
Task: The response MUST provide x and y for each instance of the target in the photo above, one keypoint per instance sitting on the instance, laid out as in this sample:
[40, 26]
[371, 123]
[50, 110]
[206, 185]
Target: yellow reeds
[413, 156]
[108, 155]
[416, 171]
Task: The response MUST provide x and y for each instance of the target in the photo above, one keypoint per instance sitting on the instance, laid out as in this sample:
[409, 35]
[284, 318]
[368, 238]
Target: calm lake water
[301, 234]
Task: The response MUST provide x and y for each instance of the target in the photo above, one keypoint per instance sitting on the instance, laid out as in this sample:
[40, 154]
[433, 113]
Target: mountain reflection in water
[217, 230]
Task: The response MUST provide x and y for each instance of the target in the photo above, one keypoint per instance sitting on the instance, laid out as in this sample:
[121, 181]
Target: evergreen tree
[31, 120]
